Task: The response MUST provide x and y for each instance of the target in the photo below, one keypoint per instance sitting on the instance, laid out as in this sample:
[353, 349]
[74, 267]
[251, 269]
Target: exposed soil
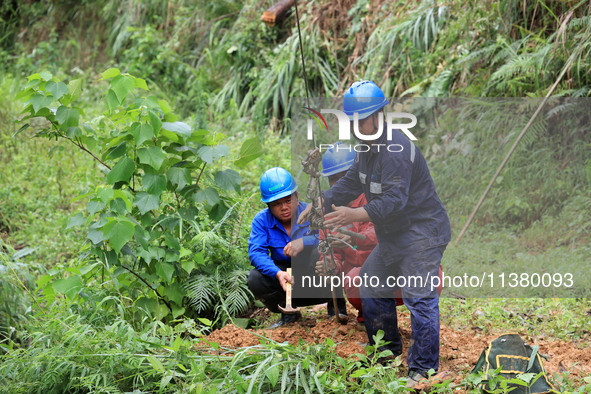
[460, 348]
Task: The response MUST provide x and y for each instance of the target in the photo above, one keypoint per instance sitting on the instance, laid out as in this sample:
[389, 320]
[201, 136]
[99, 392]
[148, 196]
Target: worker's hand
[294, 248]
[284, 278]
[337, 244]
[306, 212]
[342, 216]
[330, 265]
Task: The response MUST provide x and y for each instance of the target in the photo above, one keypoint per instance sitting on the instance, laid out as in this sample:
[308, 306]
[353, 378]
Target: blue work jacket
[268, 238]
[401, 200]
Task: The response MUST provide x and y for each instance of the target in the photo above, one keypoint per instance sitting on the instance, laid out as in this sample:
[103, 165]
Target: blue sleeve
[395, 177]
[310, 241]
[258, 248]
[347, 189]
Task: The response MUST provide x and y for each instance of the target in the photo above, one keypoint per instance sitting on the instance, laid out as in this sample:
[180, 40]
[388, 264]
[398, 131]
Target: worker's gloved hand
[337, 244]
[330, 265]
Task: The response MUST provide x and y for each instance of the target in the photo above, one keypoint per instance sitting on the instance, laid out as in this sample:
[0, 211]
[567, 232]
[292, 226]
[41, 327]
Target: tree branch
[149, 285]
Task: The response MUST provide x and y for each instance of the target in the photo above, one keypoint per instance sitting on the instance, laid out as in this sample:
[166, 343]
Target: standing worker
[275, 240]
[348, 260]
[411, 223]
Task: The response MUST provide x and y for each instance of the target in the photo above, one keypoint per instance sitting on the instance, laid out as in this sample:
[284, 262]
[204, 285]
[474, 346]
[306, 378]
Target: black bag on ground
[514, 357]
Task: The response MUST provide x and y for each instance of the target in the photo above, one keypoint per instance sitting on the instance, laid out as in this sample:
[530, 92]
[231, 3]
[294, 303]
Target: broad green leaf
[177, 311]
[75, 89]
[249, 151]
[57, 90]
[67, 117]
[152, 156]
[112, 101]
[46, 75]
[39, 101]
[188, 213]
[42, 281]
[76, 220]
[122, 171]
[179, 177]
[155, 121]
[122, 85]
[118, 205]
[209, 195]
[141, 133]
[110, 73]
[96, 236]
[169, 135]
[188, 265]
[175, 293]
[146, 202]
[180, 128]
[140, 83]
[119, 234]
[211, 153]
[69, 286]
[228, 180]
[154, 183]
[124, 195]
[116, 152]
[273, 374]
[156, 364]
[172, 242]
[165, 271]
[164, 106]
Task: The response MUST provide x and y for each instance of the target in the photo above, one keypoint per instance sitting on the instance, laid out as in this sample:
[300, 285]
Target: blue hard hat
[365, 98]
[276, 183]
[337, 159]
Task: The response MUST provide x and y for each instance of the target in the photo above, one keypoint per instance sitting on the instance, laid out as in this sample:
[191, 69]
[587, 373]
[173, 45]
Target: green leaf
[155, 121]
[165, 271]
[75, 88]
[76, 220]
[177, 311]
[152, 156]
[273, 374]
[156, 364]
[122, 171]
[141, 133]
[249, 151]
[179, 177]
[118, 205]
[46, 75]
[119, 234]
[140, 83]
[96, 236]
[40, 101]
[116, 152]
[69, 286]
[154, 183]
[210, 195]
[110, 73]
[146, 202]
[175, 293]
[180, 128]
[188, 265]
[122, 85]
[57, 90]
[22, 128]
[172, 242]
[112, 100]
[228, 180]
[67, 117]
[211, 153]
[164, 106]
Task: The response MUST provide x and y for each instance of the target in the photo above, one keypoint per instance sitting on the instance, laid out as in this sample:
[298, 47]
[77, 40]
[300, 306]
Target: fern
[200, 292]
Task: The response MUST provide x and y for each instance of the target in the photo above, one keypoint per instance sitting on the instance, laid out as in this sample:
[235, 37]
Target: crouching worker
[350, 253]
[275, 239]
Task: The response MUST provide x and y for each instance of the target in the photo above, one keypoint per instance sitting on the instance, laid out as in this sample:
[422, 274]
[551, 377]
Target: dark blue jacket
[402, 203]
[268, 238]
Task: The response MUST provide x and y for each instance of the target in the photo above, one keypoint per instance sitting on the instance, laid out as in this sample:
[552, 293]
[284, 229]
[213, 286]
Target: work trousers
[270, 292]
[413, 275]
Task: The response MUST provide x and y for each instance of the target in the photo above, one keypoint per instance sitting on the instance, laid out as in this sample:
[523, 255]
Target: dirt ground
[459, 351]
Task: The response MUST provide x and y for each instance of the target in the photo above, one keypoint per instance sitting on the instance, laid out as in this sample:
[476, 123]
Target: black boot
[286, 319]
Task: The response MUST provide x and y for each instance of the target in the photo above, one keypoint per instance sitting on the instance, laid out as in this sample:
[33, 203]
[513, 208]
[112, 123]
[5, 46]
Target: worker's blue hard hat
[337, 159]
[365, 98]
[276, 183]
